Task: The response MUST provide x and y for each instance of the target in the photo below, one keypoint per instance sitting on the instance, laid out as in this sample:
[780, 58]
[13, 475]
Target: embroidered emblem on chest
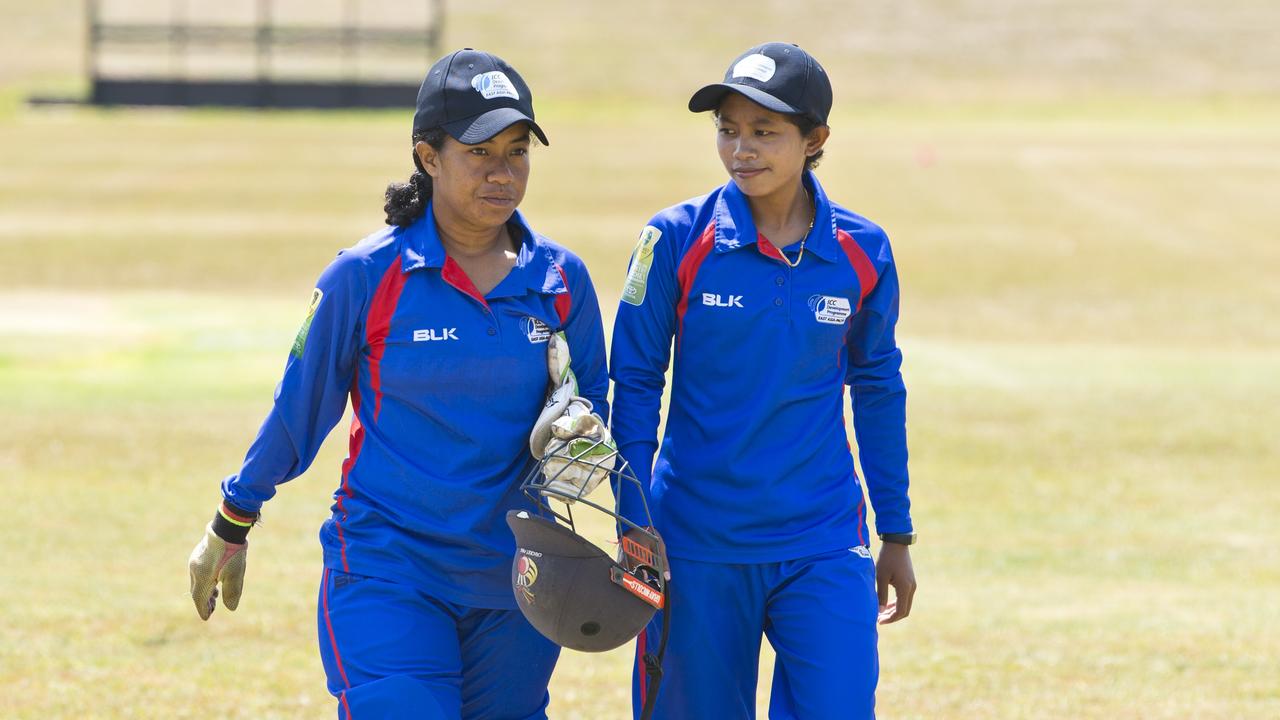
[830, 310]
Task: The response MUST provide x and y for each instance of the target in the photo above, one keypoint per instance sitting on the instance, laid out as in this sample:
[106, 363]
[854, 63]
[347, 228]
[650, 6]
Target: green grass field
[1091, 273]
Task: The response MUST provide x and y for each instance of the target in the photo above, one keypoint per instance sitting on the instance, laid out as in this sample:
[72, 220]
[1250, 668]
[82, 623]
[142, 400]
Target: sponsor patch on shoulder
[300, 342]
[830, 310]
[633, 291]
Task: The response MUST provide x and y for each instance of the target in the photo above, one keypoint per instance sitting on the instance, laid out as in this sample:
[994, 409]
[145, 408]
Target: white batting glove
[564, 387]
[575, 440]
[580, 454]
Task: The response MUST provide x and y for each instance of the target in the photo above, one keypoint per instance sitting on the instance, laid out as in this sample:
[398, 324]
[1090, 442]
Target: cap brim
[709, 98]
[474, 130]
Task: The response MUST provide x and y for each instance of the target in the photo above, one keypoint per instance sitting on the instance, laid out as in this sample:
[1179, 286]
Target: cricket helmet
[568, 588]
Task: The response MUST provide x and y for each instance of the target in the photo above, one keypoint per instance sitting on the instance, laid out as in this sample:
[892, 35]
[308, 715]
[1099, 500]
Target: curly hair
[406, 201]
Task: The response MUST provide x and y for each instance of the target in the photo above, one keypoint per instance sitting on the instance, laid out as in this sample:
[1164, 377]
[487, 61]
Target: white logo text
[714, 300]
[434, 334]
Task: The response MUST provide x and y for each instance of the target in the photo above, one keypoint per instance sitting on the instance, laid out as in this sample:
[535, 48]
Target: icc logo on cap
[495, 84]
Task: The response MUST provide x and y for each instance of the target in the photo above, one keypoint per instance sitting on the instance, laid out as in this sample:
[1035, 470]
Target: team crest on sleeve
[633, 291]
[829, 309]
[534, 329]
[300, 342]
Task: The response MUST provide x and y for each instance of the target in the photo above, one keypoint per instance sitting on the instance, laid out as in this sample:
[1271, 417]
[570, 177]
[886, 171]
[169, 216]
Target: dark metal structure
[166, 76]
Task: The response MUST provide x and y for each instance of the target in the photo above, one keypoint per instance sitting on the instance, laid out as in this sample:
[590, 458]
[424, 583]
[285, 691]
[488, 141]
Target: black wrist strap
[232, 524]
[898, 538]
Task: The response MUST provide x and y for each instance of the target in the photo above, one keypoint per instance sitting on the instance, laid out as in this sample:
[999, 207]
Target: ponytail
[406, 201]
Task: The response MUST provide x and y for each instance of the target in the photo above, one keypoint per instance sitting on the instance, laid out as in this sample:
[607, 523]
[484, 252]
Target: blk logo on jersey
[830, 310]
[534, 329]
[714, 300]
[432, 334]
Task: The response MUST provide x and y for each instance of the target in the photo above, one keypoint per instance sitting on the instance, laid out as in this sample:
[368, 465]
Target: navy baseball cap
[474, 95]
[777, 75]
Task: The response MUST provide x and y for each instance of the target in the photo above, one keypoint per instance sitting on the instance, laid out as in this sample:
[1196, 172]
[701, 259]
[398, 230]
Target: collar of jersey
[534, 266]
[735, 228]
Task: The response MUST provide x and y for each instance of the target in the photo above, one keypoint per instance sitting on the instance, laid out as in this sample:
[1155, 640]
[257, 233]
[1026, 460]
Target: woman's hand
[894, 568]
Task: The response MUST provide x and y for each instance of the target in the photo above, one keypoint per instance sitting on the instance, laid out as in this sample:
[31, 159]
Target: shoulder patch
[633, 291]
[300, 342]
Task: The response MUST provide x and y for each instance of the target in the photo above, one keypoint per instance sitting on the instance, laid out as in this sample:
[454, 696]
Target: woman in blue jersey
[769, 301]
[437, 329]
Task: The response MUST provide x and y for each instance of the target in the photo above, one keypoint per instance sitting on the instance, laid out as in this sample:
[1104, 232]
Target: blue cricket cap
[779, 76]
[474, 95]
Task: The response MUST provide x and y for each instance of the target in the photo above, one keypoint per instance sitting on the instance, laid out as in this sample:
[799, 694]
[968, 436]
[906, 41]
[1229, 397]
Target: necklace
[813, 216]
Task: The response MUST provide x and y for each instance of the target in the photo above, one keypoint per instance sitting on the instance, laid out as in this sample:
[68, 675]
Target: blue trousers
[392, 652]
[818, 612]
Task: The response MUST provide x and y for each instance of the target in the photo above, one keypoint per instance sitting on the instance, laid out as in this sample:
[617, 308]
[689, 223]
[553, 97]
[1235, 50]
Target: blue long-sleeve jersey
[445, 385]
[755, 464]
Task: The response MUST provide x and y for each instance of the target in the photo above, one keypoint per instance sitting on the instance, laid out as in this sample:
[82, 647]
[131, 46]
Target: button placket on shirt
[785, 288]
[494, 328]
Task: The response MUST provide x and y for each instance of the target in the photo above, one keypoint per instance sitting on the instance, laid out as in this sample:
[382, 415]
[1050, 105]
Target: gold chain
[813, 216]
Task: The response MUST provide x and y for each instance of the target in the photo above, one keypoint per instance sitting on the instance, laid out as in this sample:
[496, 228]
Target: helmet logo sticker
[637, 587]
[526, 576]
[495, 84]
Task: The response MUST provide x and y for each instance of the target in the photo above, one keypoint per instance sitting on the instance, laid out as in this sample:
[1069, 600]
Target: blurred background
[1084, 201]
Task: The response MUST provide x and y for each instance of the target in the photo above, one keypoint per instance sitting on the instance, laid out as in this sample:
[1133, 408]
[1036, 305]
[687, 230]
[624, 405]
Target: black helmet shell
[571, 591]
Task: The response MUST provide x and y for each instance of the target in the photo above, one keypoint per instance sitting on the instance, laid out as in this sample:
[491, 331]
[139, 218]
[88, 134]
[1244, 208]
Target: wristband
[898, 538]
[232, 524]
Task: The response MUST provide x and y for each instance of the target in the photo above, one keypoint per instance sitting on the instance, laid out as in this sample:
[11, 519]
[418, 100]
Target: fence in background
[260, 53]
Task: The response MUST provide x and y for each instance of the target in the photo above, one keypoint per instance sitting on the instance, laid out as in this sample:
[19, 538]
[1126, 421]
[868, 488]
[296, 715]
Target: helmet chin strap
[653, 661]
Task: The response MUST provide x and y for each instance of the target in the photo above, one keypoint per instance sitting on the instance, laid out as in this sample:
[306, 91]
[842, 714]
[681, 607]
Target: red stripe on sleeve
[862, 265]
[564, 301]
[378, 324]
[688, 270]
[862, 506]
